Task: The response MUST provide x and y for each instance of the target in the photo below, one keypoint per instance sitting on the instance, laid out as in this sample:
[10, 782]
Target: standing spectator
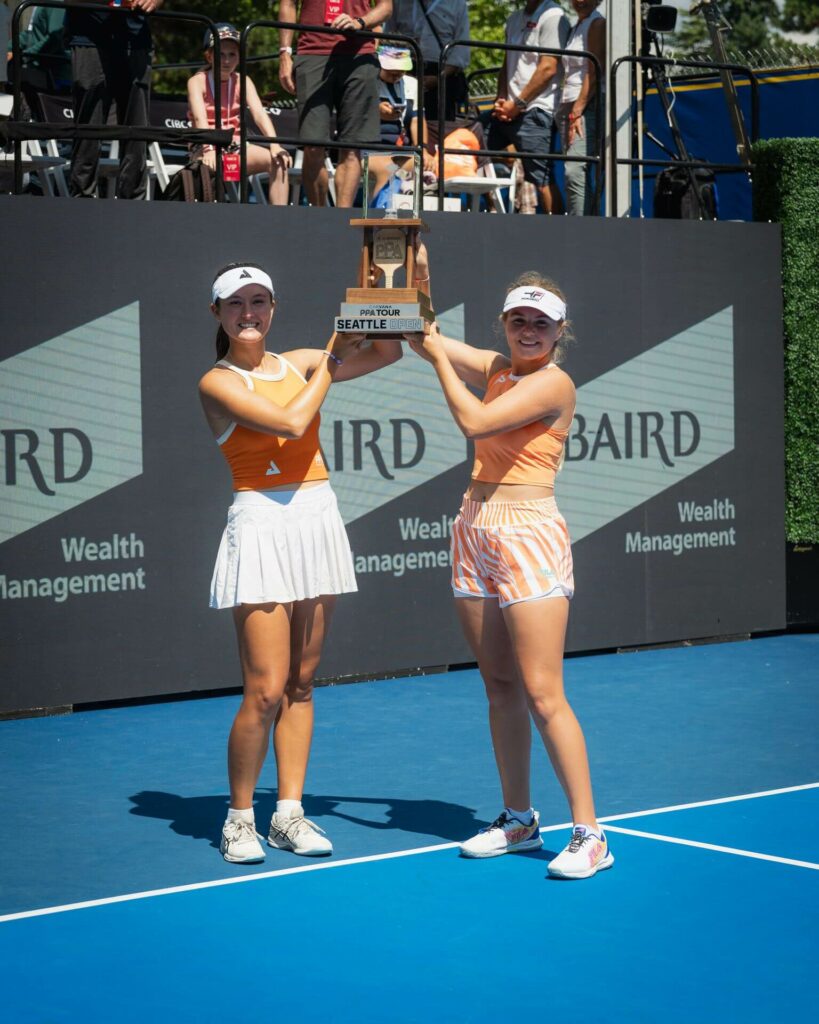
[528, 87]
[111, 66]
[272, 160]
[333, 72]
[577, 113]
[434, 24]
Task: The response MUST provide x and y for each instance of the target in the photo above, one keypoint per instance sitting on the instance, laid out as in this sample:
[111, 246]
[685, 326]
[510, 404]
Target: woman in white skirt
[284, 554]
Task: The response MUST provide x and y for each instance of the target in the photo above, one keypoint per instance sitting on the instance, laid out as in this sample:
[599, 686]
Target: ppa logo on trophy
[70, 420]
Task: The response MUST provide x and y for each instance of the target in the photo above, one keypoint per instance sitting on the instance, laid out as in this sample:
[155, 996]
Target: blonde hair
[534, 279]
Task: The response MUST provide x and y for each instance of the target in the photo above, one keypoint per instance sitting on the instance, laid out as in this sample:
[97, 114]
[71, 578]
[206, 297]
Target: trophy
[389, 244]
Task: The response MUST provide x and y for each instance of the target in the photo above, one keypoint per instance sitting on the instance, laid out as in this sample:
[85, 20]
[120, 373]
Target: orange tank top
[530, 454]
[230, 102]
[260, 461]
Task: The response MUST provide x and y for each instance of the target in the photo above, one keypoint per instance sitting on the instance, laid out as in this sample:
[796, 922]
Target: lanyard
[230, 91]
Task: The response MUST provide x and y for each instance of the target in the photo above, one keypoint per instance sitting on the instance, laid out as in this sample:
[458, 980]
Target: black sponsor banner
[114, 494]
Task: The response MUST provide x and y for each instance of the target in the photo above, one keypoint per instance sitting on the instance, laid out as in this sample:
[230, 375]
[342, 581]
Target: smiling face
[531, 336]
[246, 315]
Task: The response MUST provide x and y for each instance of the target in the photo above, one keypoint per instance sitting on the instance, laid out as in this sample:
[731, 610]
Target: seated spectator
[272, 160]
[528, 87]
[577, 113]
[397, 107]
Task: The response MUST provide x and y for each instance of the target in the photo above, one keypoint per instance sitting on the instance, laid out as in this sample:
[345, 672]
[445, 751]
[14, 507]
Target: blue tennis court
[116, 905]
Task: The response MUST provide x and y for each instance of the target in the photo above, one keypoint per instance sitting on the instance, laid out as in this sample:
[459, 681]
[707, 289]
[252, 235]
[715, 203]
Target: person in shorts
[333, 73]
[284, 554]
[512, 561]
[523, 115]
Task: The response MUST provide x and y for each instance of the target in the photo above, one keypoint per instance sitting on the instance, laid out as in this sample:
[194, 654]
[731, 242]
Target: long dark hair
[222, 339]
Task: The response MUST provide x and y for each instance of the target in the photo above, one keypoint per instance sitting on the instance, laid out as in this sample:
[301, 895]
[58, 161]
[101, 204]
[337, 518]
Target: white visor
[537, 298]
[232, 280]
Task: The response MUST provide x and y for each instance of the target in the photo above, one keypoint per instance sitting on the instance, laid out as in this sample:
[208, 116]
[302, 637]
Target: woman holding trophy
[284, 555]
[512, 571]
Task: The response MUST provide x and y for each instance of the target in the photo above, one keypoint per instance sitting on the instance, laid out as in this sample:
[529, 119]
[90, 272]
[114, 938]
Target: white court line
[324, 865]
[712, 846]
[710, 803]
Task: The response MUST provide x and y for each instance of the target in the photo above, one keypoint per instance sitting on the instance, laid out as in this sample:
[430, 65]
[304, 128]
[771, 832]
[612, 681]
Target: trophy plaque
[388, 311]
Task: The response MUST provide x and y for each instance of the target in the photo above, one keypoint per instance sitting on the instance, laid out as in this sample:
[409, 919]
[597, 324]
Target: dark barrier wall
[114, 493]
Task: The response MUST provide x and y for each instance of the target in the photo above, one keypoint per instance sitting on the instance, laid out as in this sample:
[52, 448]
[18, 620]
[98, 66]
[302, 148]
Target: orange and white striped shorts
[512, 550]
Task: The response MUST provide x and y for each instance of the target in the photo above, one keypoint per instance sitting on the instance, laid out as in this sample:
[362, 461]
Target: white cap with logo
[537, 298]
[232, 280]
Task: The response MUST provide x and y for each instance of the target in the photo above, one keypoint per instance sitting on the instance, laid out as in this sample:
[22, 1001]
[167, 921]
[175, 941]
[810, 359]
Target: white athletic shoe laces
[240, 844]
[299, 835]
[585, 855]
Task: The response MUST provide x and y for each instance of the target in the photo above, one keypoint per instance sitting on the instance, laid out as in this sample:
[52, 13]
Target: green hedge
[786, 190]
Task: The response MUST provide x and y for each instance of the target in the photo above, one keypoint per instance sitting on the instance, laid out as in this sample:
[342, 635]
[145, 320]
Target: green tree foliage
[785, 191]
[753, 27]
[800, 15]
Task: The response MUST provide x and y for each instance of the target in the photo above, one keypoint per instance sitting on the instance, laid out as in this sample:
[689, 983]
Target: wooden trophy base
[386, 312]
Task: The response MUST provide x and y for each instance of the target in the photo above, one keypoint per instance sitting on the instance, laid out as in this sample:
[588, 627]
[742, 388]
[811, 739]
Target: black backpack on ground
[674, 194]
[193, 183]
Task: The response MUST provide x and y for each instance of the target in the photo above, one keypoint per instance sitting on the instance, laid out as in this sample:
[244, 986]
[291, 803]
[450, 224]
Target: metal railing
[690, 165]
[374, 147]
[522, 155]
[20, 131]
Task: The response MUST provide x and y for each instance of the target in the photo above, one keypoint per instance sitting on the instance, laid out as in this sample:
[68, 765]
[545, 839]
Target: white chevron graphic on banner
[649, 423]
[70, 420]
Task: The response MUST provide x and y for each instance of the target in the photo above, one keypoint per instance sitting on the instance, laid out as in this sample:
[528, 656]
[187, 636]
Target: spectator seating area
[46, 162]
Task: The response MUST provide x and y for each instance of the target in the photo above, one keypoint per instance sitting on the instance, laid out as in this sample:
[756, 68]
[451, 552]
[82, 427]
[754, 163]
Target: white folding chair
[485, 182]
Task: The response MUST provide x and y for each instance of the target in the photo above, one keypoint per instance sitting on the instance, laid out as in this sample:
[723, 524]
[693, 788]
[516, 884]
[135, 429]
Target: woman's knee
[299, 687]
[546, 703]
[503, 691]
[263, 697]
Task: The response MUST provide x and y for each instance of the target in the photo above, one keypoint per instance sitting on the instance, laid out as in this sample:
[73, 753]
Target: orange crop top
[526, 455]
[260, 461]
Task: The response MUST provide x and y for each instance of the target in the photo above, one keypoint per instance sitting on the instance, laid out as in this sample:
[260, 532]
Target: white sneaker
[504, 835]
[585, 855]
[299, 835]
[240, 845]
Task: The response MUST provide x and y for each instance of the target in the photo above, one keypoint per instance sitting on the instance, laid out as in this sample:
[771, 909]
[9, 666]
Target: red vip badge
[230, 166]
[332, 9]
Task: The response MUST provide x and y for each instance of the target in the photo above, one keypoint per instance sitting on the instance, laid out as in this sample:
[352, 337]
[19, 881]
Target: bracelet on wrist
[420, 279]
[333, 356]
[362, 24]
[286, 49]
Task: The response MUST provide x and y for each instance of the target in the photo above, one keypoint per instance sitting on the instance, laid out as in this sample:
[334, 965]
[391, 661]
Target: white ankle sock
[242, 814]
[286, 807]
[524, 817]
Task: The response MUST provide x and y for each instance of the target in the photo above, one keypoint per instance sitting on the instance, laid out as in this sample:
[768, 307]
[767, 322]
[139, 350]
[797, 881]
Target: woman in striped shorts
[512, 561]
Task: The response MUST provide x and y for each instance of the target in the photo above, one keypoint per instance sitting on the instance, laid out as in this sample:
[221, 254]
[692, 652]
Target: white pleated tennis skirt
[282, 546]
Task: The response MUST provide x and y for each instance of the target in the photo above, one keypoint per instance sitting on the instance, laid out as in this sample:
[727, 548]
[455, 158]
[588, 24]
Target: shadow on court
[200, 817]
